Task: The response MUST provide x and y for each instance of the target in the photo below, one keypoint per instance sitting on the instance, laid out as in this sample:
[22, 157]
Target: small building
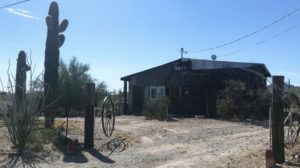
[192, 85]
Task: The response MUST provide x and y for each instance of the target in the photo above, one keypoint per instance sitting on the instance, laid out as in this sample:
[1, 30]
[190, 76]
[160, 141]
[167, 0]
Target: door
[138, 100]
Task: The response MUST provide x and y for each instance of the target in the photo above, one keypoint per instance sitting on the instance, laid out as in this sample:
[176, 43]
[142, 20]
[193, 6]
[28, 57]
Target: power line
[250, 34]
[260, 42]
[12, 4]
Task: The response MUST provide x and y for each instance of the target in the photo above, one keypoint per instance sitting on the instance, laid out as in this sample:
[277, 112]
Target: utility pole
[182, 51]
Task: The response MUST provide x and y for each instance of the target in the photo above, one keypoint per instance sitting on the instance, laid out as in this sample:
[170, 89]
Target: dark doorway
[138, 101]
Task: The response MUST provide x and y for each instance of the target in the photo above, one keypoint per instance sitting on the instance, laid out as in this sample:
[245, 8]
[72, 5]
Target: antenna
[213, 57]
[182, 51]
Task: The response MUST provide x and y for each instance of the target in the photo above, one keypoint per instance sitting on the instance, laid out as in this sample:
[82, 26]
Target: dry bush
[41, 137]
[157, 109]
[238, 100]
[130, 138]
[20, 119]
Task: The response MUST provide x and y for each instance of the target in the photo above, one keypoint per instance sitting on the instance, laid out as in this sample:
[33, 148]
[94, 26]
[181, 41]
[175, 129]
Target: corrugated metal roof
[207, 64]
[199, 64]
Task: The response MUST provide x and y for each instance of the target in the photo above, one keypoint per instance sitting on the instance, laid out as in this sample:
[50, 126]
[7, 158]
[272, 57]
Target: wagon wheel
[291, 133]
[288, 136]
[117, 144]
[108, 116]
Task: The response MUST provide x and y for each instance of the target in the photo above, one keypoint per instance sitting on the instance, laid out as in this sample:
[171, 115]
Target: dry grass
[73, 125]
[130, 138]
[3, 144]
[3, 136]
[293, 155]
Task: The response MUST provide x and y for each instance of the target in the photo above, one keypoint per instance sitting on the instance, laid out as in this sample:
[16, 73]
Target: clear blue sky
[120, 37]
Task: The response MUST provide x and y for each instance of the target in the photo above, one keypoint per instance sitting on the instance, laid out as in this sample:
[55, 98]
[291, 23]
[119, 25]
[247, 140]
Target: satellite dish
[213, 57]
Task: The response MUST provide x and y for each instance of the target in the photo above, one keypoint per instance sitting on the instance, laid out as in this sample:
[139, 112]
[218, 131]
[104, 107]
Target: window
[157, 92]
[153, 92]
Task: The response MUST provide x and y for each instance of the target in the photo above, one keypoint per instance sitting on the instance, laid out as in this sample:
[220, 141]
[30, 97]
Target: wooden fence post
[89, 117]
[278, 119]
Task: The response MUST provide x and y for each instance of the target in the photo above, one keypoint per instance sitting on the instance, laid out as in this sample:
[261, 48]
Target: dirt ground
[192, 142]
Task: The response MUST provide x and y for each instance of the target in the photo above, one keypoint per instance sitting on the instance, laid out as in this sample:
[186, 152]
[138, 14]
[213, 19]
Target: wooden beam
[125, 98]
[89, 117]
[278, 119]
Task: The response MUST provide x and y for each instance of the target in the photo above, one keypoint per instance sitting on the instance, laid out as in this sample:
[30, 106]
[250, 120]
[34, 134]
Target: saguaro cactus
[55, 40]
[20, 88]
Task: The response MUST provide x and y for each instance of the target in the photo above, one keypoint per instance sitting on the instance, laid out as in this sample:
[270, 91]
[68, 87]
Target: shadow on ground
[77, 156]
[260, 123]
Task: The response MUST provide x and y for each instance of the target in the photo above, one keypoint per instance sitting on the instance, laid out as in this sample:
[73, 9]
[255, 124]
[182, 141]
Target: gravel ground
[181, 143]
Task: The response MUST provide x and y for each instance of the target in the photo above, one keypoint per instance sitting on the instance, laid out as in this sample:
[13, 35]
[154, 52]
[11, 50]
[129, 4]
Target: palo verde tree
[55, 40]
[101, 92]
[73, 77]
[72, 82]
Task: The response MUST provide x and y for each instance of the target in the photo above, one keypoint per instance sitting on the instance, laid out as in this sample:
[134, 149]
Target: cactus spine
[55, 40]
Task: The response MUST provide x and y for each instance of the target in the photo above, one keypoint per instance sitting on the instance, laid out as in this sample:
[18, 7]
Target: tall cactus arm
[63, 25]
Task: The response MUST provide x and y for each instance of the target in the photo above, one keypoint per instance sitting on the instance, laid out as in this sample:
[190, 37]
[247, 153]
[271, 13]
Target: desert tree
[72, 81]
[101, 92]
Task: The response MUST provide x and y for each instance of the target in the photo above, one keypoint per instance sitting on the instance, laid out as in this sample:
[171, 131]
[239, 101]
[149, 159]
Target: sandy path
[181, 143]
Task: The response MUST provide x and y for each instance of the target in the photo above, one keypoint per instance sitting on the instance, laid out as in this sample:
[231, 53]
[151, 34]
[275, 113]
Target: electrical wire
[12, 4]
[259, 43]
[250, 34]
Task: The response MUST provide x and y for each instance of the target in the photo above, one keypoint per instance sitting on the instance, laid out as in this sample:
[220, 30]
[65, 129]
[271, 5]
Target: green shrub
[295, 99]
[157, 109]
[235, 100]
[231, 100]
[225, 108]
[150, 110]
[40, 137]
[259, 103]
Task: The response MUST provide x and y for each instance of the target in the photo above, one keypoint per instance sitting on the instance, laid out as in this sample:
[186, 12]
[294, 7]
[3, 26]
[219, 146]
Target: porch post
[125, 107]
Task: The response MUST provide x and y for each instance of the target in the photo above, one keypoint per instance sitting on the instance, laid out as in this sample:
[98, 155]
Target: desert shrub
[259, 103]
[150, 110]
[295, 99]
[235, 100]
[230, 100]
[21, 118]
[40, 137]
[157, 109]
[225, 108]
